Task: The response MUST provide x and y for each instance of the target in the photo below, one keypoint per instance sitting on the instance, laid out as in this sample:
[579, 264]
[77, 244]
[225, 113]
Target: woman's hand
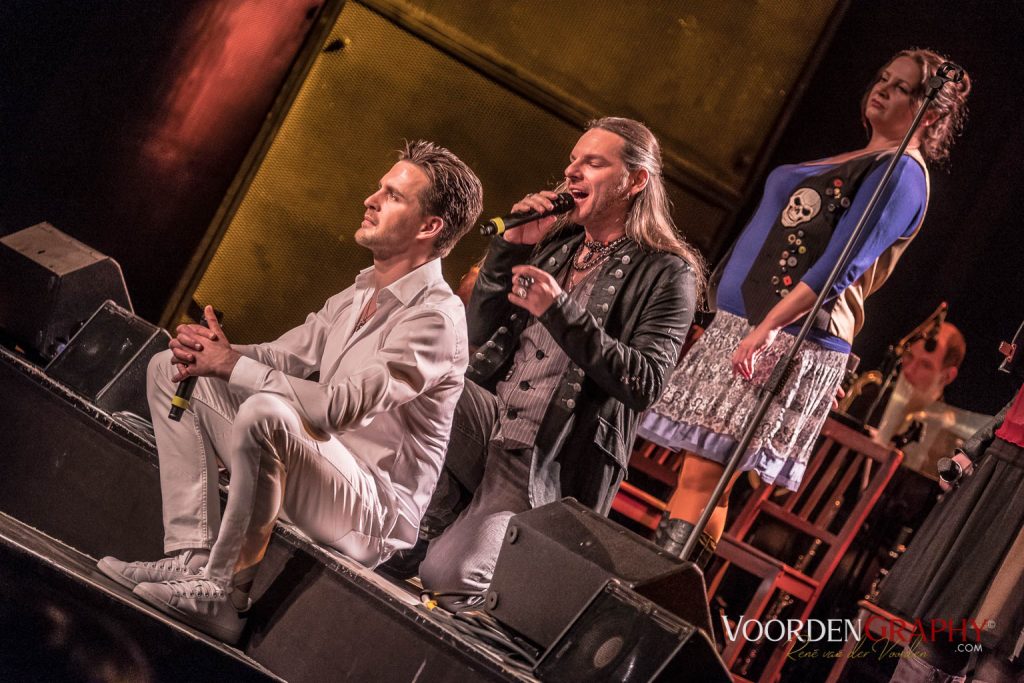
[748, 351]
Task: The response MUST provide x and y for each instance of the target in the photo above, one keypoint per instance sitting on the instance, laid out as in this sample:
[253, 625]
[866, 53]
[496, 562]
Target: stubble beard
[383, 245]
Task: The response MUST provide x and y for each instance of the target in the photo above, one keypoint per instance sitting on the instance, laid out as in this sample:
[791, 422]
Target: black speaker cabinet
[623, 637]
[50, 283]
[557, 557]
[106, 360]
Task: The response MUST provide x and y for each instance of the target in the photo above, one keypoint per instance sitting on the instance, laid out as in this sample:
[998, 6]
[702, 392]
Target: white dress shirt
[387, 391]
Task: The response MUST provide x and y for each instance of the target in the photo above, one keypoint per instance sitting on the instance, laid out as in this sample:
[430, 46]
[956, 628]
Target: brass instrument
[857, 386]
[928, 330]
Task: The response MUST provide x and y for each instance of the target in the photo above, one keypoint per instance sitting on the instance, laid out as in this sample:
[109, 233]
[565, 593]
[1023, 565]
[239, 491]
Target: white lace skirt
[706, 405]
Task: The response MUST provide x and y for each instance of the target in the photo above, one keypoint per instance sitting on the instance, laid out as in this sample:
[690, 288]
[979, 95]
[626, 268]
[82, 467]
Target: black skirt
[958, 555]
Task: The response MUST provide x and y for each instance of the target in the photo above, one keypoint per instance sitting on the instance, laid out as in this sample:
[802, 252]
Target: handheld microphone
[563, 203]
[182, 397]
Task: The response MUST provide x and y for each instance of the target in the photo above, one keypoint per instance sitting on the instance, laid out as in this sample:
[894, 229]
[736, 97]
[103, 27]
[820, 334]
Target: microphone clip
[948, 72]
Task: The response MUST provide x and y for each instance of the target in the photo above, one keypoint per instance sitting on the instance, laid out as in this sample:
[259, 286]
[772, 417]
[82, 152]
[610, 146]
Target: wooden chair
[844, 479]
[659, 467]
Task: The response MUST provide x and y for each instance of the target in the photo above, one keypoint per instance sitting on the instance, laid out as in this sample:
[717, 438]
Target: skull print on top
[803, 205]
[796, 234]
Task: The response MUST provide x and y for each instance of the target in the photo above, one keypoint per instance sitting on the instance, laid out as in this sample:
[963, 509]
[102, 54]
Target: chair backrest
[844, 479]
[657, 462]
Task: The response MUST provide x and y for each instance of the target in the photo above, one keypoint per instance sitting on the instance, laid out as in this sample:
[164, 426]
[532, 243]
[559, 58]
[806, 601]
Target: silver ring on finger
[522, 292]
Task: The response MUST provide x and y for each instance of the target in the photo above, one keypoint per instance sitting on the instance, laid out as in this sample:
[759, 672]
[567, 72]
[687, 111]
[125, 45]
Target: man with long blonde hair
[578, 320]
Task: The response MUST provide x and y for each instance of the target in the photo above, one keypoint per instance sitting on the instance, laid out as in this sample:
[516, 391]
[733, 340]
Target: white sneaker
[202, 603]
[131, 574]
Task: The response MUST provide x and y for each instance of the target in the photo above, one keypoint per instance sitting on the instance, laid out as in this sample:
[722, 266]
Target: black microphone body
[182, 397]
[563, 203]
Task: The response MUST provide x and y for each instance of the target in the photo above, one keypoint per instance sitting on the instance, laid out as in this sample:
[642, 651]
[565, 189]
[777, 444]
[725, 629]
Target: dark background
[969, 250]
[124, 123]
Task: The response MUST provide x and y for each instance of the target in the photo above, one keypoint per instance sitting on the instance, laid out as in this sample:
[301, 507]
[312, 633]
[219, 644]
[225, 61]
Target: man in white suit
[351, 459]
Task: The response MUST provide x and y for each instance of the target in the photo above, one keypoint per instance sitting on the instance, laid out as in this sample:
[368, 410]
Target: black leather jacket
[621, 350]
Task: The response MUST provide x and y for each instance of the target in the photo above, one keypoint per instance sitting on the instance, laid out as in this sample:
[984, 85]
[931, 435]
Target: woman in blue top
[770, 280]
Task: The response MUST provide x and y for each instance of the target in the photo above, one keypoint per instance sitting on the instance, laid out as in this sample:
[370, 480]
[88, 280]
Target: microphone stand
[890, 366]
[947, 72]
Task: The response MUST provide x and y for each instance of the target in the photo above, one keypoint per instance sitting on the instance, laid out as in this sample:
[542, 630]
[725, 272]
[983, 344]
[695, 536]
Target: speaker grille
[618, 636]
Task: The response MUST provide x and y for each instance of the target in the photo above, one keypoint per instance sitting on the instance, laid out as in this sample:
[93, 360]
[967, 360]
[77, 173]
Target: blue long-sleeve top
[900, 210]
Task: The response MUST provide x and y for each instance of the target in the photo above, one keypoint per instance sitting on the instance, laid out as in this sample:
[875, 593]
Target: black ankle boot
[672, 535]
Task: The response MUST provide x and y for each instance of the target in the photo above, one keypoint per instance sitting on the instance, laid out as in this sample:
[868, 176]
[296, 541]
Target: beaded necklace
[597, 253]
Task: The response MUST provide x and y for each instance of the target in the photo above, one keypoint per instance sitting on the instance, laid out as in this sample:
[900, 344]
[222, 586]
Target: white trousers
[277, 467]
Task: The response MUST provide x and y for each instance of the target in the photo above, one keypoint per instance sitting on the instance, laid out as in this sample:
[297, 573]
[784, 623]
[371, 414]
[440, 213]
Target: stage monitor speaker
[107, 358]
[555, 558]
[621, 636]
[50, 283]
